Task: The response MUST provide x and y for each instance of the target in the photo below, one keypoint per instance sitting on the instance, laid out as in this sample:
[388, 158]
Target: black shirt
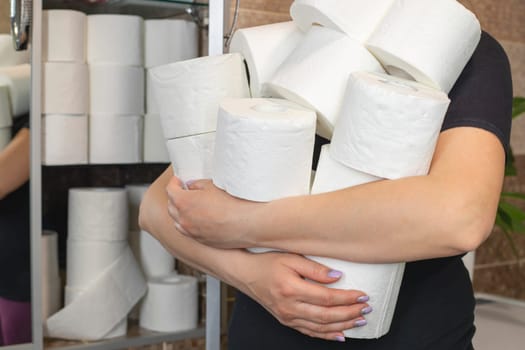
[15, 260]
[435, 308]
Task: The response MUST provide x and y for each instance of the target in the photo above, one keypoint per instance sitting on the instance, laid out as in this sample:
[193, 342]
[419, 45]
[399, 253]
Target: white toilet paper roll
[355, 18]
[18, 80]
[51, 285]
[263, 148]
[265, 48]
[155, 150]
[381, 282]
[154, 259]
[388, 126]
[171, 304]
[8, 55]
[115, 39]
[5, 137]
[429, 41]
[115, 139]
[6, 120]
[192, 156]
[152, 107]
[188, 92]
[170, 40]
[135, 195]
[332, 175]
[63, 36]
[86, 260]
[64, 139]
[95, 313]
[65, 88]
[334, 56]
[98, 214]
[116, 89]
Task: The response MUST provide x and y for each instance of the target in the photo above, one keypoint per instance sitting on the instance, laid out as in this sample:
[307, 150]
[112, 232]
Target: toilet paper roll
[334, 56]
[170, 40]
[188, 92]
[115, 39]
[98, 214]
[95, 313]
[265, 48]
[8, 55]
[381, 282]
[64, 139]
[428, 41]
[192, 156]
[154, 259]
[86, 260]
[263, 148]
[63, 36]
[115, 139]
[332, 175]
[171, 304]
[18, 81]
[5, 137]
[51, 284]
[116, 89]
[155, 150]
[135, 194]
[152, 107]
[6, 120]
[355, 18]
[388, 126]
[65, 88]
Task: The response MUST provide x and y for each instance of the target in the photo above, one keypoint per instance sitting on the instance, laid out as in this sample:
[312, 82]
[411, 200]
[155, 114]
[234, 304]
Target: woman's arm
[14, 163]
[275, 280]
[447, 212]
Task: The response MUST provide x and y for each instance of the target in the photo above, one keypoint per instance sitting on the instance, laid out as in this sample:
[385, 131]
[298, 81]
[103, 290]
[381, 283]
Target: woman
[428, 221]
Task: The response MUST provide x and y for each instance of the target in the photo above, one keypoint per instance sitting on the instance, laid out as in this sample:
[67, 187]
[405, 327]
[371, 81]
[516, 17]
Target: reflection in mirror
[15, 261]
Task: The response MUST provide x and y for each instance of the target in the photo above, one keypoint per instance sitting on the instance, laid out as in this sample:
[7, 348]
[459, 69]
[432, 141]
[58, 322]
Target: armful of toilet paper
[280, 282]
[14, 163]
[447, 212]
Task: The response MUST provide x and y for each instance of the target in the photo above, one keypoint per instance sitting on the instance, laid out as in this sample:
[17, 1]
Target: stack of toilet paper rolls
[165, 41]
[6, 120]
[104, 280]
[51, 284]
[65, 88]
[116, 74]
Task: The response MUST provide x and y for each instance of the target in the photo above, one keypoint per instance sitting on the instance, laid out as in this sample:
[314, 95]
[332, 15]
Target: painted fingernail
[360, 323]
[340, 338]
[363, 299]
[366, 310]
[335, 274]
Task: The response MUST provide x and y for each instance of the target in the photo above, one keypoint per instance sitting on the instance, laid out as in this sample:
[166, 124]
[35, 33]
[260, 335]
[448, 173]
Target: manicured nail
[366, 310]
[340, 338]
[335, 274]
[363, 299]
[360, 323]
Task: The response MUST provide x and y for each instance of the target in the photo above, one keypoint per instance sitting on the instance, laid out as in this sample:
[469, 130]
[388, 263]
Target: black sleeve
[482, 96]
[19, 123]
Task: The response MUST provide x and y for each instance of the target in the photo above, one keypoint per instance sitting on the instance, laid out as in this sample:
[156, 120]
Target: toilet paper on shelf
[135, 194]
[192, 156]
[327, 57]
[51, 284]
[388, 126]
[426, 40]
[103, 305]
[97, 214]
[155, 150]
[115, 39]
[64, 139]
[171, 304]
[63, 36]
[5, 137]
[65, 88]
[170, 40]
[116, 89]
[154, 259]
[152, 107]
[115, 139]
[8, 55]
[265, 48]
[18, 81]
[6, 120]
[263, 148]
[355, 18]
[188, 92]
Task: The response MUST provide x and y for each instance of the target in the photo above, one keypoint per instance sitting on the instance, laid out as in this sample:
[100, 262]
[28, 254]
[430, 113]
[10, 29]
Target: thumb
[314, 271]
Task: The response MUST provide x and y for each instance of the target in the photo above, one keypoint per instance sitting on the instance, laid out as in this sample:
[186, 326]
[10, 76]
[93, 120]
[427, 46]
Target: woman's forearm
[14, 163]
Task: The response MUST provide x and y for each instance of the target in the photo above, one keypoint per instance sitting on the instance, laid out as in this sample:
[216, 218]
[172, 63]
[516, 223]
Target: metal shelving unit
[210, 13]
